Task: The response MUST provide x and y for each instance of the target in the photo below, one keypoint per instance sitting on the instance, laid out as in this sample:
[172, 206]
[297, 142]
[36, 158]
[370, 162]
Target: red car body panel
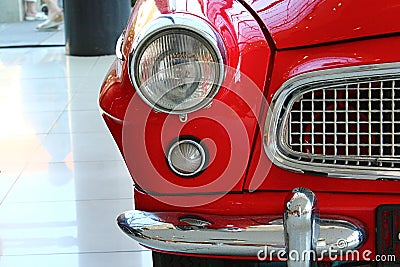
[244, 40]
[294, 62]
[268, 45]
[312, 22]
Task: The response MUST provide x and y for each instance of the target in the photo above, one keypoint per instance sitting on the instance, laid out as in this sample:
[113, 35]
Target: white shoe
[37, 16]
[51, 23]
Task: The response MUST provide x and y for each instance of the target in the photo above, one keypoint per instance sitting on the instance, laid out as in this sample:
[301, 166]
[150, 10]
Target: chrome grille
[355, 120]
[342, 122]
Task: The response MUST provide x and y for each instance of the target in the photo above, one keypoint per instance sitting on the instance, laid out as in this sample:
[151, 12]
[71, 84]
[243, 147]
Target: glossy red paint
[311, 22]
[294, 62]
[329, 34]
[238, 102]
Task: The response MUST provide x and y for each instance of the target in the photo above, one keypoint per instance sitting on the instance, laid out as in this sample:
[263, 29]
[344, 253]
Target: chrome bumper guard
[299, 231]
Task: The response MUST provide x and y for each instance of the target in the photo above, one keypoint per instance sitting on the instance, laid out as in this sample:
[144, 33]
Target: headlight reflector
[176, 70]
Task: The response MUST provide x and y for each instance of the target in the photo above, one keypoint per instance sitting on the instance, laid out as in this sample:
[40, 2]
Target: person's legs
[31, 13]
[30, 7]
[53, 7]
[55, 16]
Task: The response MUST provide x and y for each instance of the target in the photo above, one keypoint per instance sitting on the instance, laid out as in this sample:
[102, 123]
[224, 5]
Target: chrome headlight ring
[177, 64]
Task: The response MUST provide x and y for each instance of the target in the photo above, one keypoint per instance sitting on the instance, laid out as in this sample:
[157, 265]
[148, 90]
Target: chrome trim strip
[119, 46]
[273, 133]
[239, 236]
[105, 113]
[186, 22]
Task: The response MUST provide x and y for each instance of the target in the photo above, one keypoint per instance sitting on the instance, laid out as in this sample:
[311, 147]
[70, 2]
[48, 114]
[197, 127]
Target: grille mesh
[357, 123]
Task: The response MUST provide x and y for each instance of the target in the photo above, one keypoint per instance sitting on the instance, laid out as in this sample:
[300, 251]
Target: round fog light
[186, 157]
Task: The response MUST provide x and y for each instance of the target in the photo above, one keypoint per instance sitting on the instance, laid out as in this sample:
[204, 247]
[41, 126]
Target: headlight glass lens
[176, 71]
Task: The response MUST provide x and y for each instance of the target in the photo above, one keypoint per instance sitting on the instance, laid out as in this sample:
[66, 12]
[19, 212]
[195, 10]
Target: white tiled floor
[62, 179]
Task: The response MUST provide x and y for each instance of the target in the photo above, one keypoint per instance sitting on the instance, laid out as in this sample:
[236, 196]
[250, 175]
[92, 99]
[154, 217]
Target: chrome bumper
[264, 237]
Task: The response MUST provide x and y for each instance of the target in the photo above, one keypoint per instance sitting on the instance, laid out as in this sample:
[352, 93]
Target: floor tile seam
[99, 131]
[66, 201]
[56, 120]
[79, 162]
[71, 161]
[77, 253]
[74, 161]
[59, 116]
[25, 165]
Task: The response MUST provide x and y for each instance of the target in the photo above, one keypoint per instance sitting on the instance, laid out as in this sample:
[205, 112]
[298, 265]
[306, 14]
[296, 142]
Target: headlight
[177, 67]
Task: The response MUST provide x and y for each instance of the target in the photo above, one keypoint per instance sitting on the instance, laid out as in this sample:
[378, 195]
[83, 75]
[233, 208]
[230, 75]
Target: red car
[260, 131]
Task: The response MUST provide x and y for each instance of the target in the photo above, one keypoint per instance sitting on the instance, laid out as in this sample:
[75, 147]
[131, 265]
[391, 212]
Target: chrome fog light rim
[173, 164]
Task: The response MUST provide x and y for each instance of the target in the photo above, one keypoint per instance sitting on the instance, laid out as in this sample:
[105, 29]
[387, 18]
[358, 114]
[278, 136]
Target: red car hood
[294, 23]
